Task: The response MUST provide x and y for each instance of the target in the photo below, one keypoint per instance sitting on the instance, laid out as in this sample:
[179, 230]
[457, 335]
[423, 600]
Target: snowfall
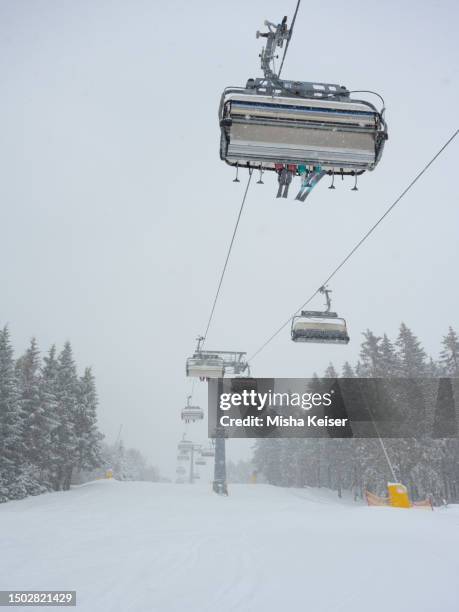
[180, 548]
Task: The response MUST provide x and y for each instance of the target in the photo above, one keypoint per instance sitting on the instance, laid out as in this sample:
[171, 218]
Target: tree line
[428, 466]
[128, 463]
[48, 420]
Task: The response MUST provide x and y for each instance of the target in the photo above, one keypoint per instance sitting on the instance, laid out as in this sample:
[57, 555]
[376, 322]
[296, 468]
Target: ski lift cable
[289, 37]
[227, 257]
[358, 245]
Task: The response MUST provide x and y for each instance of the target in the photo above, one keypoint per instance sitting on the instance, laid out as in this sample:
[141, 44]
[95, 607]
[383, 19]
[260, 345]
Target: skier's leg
[280, 178]
[304, 183]
[309, 187]
[288, 180]
[315, 178]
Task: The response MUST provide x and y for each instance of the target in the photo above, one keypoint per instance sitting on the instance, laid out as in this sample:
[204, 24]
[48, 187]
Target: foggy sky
[116, 210]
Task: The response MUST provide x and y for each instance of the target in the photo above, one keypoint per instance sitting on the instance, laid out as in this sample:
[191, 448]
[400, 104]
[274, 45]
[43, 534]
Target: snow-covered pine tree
[120, 468]
[434, 369]
[360, 370]
[65, 440]
[411, 354]
[267, 459]
[389, 362]
[446, 430]
[449, 356]
[135, 464]
[418, 458]
[348, 371]
[49, 402]
[87, 434]
[37, 423]
[330, 372]
[370, 355]
[11, 426]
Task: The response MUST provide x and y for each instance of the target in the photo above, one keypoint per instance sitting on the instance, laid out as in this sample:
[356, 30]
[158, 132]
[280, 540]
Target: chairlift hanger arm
[275, 37]
[326, 292]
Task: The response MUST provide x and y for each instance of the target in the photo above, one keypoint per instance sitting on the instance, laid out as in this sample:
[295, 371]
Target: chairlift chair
[323, 327]
[192, 413]
[205, 364]
[339, 135]
[185, 445]
[298, 128]
[215, 364]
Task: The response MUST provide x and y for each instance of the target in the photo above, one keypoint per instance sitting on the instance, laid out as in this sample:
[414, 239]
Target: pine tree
[370, 355]
[411, 354]
[415, 393]
[267, 459]
[49, 398]
[348, 372]
[120, 468]
[330, 372]
[449, 356]
[37, 424]
[360, 370]
[64, 436]
[87, 434]
[389, 363]
[11, 426]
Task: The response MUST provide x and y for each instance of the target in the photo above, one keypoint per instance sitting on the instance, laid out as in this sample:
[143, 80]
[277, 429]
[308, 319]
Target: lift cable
[244, 197]
[227, 258]
[224, 270]
[289, 37]
[357, 246]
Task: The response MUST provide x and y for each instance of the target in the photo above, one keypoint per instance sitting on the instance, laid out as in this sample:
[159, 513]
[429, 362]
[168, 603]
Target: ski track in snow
[147, 547]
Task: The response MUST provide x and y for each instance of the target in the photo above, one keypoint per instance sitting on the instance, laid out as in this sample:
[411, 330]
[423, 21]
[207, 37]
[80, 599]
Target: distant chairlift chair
[192, 413]
[323, 327]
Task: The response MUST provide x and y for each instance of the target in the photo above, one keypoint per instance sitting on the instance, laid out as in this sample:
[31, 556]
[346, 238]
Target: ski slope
[179, 548]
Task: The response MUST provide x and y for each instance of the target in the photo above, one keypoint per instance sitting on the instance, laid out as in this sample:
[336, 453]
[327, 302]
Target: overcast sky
[116, 210]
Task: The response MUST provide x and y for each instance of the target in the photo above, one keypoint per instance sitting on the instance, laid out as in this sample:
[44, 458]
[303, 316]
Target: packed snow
[138, 546]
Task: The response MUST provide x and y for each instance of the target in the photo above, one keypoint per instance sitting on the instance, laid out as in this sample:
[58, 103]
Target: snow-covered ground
[166, 547]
